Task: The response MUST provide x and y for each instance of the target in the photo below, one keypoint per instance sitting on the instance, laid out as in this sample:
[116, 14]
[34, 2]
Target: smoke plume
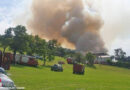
[72, 22]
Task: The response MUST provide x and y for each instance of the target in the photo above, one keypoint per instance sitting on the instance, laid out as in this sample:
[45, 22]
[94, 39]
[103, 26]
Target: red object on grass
[77, 68]
[69, 61]
[61, 62]
[32, 62]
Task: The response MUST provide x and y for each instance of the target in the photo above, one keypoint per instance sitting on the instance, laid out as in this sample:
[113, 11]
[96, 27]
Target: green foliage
[120, 54]
[78, 57]
[52, 46]
[64, 52]
[41, 48]
[109, 61]
[19, 42]
[31, 45]
[90, 58]
[6, 39]
[119, 64]
[60, 51]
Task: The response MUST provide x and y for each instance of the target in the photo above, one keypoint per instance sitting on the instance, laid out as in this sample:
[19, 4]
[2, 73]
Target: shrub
[119, 64]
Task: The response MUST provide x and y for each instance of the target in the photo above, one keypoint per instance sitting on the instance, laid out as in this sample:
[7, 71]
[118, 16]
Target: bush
[119, 64]
[90, 58]
[109, 62]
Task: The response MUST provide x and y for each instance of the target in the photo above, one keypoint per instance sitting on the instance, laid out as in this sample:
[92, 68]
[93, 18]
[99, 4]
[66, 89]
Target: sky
[116, 29]
[13, 12]
[115, 13]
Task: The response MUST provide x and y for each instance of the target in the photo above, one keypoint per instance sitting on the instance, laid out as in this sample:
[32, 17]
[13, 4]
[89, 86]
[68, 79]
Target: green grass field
[42, 78]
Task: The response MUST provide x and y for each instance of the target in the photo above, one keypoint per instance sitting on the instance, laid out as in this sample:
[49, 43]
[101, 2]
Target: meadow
[101, 77]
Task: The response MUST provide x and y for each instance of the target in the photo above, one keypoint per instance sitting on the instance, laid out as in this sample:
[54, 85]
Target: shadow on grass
[42, 66]
[22, 66]
[17, 65]
[91, 66]
[47, 66]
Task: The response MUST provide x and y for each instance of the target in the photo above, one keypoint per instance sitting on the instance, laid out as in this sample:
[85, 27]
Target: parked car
[4, 88]
[57, 67]
[7, 82]
[2, 70]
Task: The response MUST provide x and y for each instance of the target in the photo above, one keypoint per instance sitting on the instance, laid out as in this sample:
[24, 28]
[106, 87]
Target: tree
[31, 50]
[52, 45]
[90, 58]
[78, 57]
[60, 51]
[41, 48]
[6, 39]
[19, 41]
[120, 54]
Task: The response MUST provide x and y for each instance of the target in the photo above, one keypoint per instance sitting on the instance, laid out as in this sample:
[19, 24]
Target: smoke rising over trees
[72, 23]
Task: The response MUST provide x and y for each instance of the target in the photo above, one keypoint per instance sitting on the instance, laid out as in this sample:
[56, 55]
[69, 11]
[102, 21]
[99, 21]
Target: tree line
[121, 59]
[19, 41]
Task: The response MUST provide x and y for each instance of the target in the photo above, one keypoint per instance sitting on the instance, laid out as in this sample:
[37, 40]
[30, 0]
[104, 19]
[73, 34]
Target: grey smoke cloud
[69, 22]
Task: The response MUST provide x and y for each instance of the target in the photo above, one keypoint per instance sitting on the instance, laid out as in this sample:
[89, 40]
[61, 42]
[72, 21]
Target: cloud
[3, 26]
[13, 12]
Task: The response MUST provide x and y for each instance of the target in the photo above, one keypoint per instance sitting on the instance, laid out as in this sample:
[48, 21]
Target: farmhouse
[101, 58]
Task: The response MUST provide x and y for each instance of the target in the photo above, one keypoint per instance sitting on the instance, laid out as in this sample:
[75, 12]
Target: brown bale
[77, 68]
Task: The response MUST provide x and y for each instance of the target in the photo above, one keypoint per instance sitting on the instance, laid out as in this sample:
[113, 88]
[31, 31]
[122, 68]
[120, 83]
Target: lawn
[99, 78]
